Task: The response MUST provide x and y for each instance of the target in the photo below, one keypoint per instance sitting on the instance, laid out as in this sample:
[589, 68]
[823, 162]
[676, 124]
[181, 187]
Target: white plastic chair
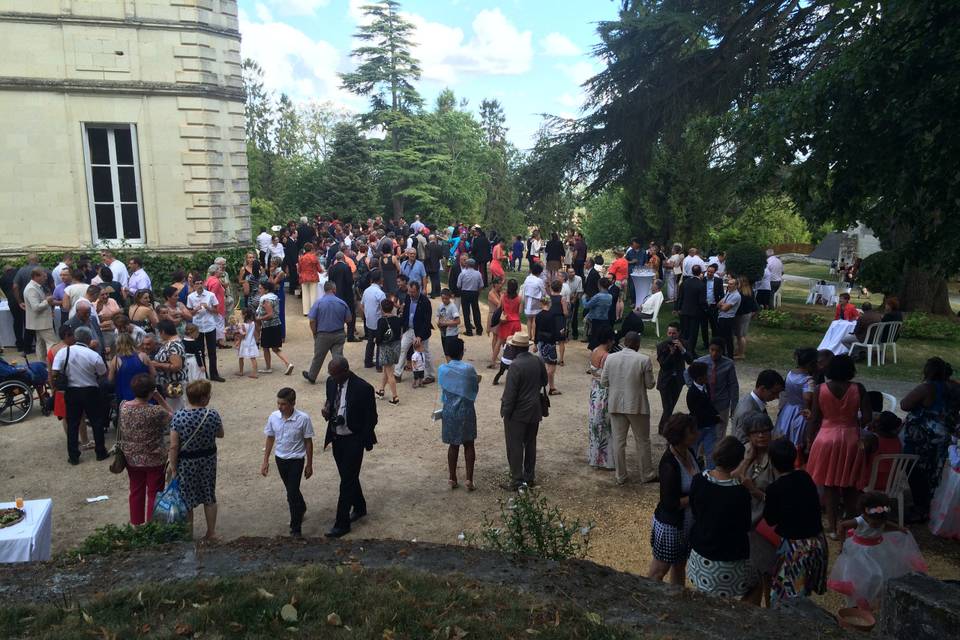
[889, 401]
[871, 342]
[888, 338]
[777, 297]
[656, 315]
[901, 465]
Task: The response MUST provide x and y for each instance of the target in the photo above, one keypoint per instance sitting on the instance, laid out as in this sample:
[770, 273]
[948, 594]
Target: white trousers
[406, 341]
[309, 292]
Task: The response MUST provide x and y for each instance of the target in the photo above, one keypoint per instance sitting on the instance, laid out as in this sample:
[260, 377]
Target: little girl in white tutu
[874, 552]
[945, 508]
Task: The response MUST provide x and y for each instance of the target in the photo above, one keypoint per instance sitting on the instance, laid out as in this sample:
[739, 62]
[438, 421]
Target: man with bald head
[351, 414]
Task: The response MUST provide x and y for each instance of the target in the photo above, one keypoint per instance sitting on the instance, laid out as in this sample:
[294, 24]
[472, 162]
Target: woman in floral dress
[598, 454]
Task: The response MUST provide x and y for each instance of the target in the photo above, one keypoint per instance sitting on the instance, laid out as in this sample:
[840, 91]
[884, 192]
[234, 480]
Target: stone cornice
[78, 86]
[134, 23]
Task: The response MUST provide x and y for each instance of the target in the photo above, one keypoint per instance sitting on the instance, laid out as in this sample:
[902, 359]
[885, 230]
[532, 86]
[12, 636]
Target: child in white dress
[874, 552]
[945, 508]
[246, 340]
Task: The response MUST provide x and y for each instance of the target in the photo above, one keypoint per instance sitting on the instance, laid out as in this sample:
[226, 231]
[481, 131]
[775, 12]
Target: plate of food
[10, 517]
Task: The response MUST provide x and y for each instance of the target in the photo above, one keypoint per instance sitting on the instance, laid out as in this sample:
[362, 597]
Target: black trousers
[368, 352]
[434, 284]
[689, 327]
[595, 326]
[352, 305]
[669, 394]
[348, 454]
[575, 318]
[482, 268]
[23, 338]
[471, 303]
[208, 350]
[725, 331]
[708, 325]
[84, 401]
[521, 440]
[293, 279]
[578, 267]
[614, 291]
[263, 259]
[291, 471]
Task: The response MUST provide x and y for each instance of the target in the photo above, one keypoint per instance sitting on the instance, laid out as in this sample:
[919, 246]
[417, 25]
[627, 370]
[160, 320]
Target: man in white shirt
[291, 430]
[534, 291]
[39, 312]
[693, 258]
[65, 263]
[138, 279]
[573, 288]
[82, 367]
[416, 226]
[654, 299]
[117, 268]
[372, 296]
[775, 265]
[204, 306]
[263, 246]
[448, 321]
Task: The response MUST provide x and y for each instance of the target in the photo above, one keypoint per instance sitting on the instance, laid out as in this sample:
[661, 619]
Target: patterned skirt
[669, 543]
[801, 568]
[388, 353]
[721, 578]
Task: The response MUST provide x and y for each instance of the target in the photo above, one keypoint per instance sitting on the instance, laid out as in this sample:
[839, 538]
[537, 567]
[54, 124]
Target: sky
[531, 55]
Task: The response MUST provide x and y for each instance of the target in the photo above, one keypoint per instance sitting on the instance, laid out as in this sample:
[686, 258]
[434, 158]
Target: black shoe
[469, 333]
[296, 534]
[379, 369]
[354, 339]
[368, 366]
[510, 486]
[530, 483]
[73, 461]
[357, 515]
[217, 379]
[306, 376]
[337, 532]
[429, 380]
[103, 456]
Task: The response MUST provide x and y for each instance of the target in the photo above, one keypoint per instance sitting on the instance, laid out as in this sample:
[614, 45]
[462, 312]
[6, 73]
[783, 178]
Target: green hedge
[779, 319]
[917, 324]
[160, 266]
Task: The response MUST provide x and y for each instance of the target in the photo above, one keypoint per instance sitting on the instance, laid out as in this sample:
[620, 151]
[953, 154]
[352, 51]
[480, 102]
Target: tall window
[113, 183]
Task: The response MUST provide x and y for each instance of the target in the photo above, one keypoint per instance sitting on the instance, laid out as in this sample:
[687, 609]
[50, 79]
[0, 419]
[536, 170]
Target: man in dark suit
[701, 408]
[673, 358]
[713, 291]
[521, 412]
[481, 252]
[692, 307]
[341, 275]
[351, 413]
[417, 318]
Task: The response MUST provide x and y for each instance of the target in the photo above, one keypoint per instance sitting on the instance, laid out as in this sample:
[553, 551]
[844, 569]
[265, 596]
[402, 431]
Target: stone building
[121, 121]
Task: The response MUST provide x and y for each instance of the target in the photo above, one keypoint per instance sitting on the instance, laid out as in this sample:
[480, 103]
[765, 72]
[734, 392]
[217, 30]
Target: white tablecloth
[28, 540]
[642, 283]
[833, 336]
[825, 291]
[7, 337]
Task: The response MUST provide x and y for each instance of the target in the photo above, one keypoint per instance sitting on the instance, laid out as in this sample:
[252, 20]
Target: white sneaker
[264, 370]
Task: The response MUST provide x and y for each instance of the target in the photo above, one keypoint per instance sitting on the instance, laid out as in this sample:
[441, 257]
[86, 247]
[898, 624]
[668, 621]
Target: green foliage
[881, 271]
[604, 221]
[928, 327]
[529, 526]
[263, 213]
[780, 319]
[746, 259]
[111, 538]
[349, 191]
[546, 187]
[768, 221]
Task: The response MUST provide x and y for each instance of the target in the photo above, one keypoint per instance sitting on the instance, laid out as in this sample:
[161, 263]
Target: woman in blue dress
[796, 401]
[459, 384]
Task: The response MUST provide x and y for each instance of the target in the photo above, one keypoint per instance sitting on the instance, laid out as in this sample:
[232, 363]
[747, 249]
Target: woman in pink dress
[837, 461]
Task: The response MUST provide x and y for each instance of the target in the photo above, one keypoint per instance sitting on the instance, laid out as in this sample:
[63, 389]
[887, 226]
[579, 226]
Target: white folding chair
[889, 401]
[656, 315]
[871, 342]
[888, 338]
[778, 297]
[901, 465]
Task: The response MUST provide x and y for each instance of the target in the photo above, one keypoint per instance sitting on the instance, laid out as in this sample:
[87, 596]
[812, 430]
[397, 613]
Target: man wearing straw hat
[521, 411]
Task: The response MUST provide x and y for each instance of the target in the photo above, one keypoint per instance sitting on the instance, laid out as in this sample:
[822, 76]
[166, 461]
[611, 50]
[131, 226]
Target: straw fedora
[520, 340]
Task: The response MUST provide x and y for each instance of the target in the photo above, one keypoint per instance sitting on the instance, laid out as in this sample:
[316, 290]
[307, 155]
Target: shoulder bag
[119, 458]
[60, 380]
[544, 402]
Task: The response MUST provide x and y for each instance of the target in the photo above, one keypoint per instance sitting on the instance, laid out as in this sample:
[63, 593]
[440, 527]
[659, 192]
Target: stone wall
[172, 68]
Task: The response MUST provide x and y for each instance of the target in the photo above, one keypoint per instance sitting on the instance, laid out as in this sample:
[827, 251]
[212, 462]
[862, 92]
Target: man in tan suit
[38, 309]
[628, 374]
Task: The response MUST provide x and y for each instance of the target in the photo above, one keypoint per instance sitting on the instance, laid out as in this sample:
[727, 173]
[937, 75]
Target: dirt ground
[404, 478]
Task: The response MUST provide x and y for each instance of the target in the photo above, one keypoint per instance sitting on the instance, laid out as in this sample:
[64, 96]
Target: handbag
[60, 380]
[119, 458]
[544, 402]
[495, 318]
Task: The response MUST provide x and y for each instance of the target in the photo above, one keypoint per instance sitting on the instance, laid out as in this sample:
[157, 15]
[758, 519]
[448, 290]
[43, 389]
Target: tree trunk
[923, 290]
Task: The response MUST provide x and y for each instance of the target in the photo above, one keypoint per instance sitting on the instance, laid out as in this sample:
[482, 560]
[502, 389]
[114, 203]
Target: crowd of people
[741, 490]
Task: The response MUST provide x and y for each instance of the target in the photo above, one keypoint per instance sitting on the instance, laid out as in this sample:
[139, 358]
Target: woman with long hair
[249, 277]
[494, 298]
[745, 312]
[142, 312]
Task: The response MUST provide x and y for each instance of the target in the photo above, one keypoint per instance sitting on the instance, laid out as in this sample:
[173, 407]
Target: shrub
[746, 259]
[881, 271]
[111, 538]
[531, 527]
[778, 319]
[921, 326]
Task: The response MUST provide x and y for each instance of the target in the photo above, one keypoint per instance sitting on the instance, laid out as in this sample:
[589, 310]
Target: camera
[337, 421]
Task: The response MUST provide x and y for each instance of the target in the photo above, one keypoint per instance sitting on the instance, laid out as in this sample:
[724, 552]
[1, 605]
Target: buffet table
[28, 540]
[835, 333]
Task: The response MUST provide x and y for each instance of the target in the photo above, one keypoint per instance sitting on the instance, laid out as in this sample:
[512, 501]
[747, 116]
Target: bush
[530, 527]
[746, 259]
[111, 538]
[778, 319]
[881, 271]
[921, 326]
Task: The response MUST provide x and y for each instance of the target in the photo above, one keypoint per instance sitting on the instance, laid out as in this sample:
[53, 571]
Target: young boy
[448, 321]
[418, 364]
[292, 432]
[703, 411]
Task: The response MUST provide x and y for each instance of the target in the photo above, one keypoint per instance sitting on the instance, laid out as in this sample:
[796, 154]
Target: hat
[519, 339]
[276, 228]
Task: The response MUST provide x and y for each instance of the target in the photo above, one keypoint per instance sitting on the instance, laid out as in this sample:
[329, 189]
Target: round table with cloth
[642, 284]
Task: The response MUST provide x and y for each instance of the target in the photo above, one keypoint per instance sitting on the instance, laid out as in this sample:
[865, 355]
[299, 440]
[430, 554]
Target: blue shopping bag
[170, 507]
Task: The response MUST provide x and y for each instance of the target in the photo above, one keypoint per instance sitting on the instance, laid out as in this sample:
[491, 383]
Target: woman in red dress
[510, 316]
[837, 462]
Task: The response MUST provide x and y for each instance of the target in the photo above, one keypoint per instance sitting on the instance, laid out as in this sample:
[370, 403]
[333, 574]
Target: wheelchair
[18, 387]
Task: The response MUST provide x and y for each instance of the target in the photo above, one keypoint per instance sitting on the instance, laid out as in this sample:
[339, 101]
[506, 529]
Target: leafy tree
[493, 121]
[746, 259]
[882, 271]
[547, 190]
[258, 109]
[604, 219]
[349, 190]
[769, 220]
[289, 129]
[385, 73]
[318, 120]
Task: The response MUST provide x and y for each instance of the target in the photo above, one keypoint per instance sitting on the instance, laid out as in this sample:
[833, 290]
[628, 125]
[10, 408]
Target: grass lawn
[346, 602]
[817, 271]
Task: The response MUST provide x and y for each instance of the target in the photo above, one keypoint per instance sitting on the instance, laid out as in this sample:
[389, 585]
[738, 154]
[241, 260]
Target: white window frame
[115, 183]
